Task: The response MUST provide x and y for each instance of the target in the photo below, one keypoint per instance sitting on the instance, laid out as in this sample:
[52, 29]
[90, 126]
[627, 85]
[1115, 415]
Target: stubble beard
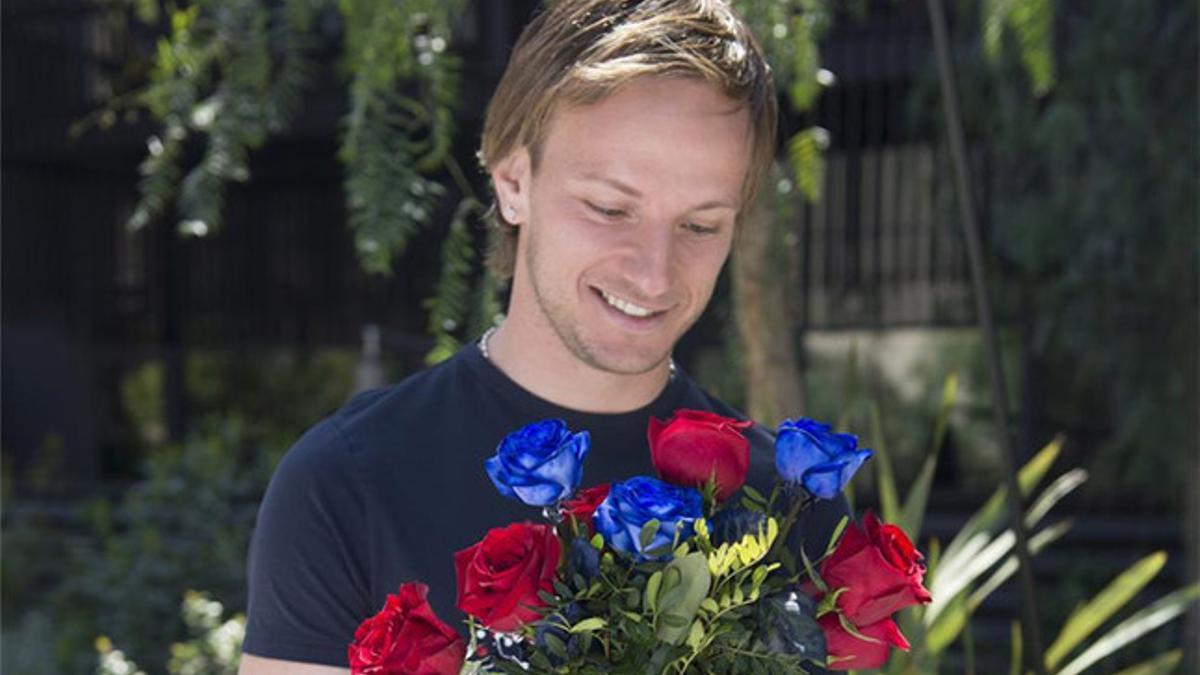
[566, 328]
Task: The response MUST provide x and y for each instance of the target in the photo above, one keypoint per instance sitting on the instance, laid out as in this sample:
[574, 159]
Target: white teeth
[626, 306]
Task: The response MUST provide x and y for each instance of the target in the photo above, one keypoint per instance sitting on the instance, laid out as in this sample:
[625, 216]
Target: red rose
[694, 446]
[406, 637]
[499, 578]
[583, 504]
[854, 653]
[880, 569]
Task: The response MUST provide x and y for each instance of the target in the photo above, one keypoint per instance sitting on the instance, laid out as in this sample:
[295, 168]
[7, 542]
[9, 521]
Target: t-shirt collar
[663, 405]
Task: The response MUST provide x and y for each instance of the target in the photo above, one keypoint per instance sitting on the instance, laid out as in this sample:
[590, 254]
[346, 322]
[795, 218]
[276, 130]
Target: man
[624, 142]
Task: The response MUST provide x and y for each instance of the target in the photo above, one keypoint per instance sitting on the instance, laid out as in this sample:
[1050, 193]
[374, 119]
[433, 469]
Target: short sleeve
[308, 586]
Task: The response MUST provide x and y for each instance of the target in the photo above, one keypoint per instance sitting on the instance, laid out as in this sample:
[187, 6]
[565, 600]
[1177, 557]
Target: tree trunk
[774, 386]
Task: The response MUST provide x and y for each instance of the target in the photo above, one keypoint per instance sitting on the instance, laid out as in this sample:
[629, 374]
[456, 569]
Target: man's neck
[552, 372]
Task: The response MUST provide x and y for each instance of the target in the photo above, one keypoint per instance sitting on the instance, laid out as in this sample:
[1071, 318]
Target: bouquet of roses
[692, 571]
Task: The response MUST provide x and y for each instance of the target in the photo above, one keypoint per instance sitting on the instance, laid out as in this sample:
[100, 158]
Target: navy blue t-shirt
[386, 489]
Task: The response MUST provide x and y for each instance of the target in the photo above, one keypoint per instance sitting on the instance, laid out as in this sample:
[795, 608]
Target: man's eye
[604, 211]
[696, 228]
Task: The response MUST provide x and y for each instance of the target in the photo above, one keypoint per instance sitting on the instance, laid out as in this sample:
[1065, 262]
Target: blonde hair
[577, 52]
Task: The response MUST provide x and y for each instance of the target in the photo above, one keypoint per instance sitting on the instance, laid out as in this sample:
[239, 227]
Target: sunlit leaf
[1090, 616]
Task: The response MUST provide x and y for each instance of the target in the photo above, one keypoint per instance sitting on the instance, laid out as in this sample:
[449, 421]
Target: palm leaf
[1090, 616]
[1163, 664]
[1010, 565]
[993, 512]
[979, 554]
[1142, 622]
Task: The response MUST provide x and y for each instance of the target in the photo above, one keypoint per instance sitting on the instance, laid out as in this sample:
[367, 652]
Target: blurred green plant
[1092, 217]
[186, 524]
[230, 74]
[276, 394]
[73, 570]
[979, 559]
[214, 648]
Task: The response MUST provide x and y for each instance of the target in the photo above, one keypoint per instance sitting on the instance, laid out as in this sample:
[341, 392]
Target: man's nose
[650, 263]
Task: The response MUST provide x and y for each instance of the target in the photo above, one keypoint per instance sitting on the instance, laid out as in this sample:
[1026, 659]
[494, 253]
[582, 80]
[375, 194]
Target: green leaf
[1018, 649]
[805, 154]
[853, 630]
[555, 645]
[967, 542]
[812, 572]
[589, 624]
[945, 631]
[1061, 487]
[1142, 622]
[1163, 664]
[632, 599]
[788, 560]
[632, 616]
[695, 635]
[1037, 542]
[753, 494]
[951, 616]
[1087, 618]
[649, 531]
[678, 605]
[1033, 23]
[836, 536]
[913, 513]
[953, 579]
[806, 60]
[672, 621]
[651, 593]
[450, 306]
[889, 502]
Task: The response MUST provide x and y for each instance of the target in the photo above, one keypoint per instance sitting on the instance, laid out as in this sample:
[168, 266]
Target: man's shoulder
[371, 421]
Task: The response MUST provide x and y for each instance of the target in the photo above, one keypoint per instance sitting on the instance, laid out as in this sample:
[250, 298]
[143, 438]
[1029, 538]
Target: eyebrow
[631, 191]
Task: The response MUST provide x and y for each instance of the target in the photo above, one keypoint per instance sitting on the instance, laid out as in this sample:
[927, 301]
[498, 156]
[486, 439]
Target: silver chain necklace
[483, 349]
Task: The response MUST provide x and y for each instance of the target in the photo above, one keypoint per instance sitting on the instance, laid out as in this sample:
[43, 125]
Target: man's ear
[511, 177]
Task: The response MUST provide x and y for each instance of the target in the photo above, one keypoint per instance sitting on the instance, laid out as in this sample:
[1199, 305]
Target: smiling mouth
[626, 307]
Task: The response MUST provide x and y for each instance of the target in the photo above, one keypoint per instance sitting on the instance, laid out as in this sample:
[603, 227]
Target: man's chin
[630, 364]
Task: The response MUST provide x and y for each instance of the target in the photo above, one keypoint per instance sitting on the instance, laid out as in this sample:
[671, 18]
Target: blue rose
[809, 453]
[637, 501]
[539, 464]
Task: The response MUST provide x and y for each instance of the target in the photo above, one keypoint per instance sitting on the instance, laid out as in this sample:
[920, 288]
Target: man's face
[628, 218]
